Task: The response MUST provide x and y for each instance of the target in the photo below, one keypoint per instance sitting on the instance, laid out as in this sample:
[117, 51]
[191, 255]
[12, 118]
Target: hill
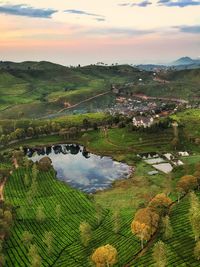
[179, 64]
[38, 89]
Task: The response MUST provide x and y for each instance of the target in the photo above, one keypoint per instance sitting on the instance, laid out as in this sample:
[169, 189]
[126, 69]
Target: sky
[90, 31]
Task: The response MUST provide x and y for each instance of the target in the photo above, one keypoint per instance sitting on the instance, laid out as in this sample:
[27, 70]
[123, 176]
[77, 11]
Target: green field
[36, 89]
[41, 88]
[76, 208]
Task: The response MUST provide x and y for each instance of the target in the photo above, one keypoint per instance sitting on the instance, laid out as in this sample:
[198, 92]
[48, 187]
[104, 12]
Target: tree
[73, 132]
[99, 213]
[35, 171]
[197, 173]
[85, 233]
[194, 215]
[20, 133]
[145, 224]
[27, 238]
[116, 222]
[32, 191]
[160, 254]
[26, 180]
[86, 138]
[30, 132]
[160, 203]
[86, 124]
[8, 217]
[27, 163]
[48, 240]
[186, 184]
[197, 251]
[105, 256]
[175, 142]
[167, 230]
[58, 212]
[194, 201]
[40, 215]
[168, 184]
[35, 258]
[44, 164]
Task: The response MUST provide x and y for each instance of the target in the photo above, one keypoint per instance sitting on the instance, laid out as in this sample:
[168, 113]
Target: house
[142, 121]
[183, 154]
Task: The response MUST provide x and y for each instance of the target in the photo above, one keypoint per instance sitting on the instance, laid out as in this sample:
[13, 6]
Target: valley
[79, 164]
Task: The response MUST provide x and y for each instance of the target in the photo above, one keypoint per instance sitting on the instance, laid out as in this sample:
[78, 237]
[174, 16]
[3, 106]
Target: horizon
[84, 32]
[104, 63]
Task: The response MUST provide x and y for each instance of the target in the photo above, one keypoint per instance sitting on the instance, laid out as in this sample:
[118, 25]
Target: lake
[79, 168]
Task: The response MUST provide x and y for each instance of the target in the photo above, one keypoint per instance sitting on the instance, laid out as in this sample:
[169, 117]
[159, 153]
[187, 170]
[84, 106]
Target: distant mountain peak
[184, 61]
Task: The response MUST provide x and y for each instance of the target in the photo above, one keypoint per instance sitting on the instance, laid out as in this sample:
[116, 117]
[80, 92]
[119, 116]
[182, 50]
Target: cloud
[144, 3]
[189, 29]
[27, 11]
[124, 4]
[179, 3]
[100, 19]
[118, 32]
[81, 12]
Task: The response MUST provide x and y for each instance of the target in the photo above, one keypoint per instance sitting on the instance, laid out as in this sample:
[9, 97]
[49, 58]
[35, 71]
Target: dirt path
[145, 97]
[86, 100]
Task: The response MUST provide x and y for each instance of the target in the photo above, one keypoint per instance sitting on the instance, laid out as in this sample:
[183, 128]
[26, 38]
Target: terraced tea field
[181, 245]
[76, 208]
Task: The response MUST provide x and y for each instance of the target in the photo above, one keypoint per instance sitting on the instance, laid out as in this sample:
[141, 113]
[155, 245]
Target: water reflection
[81, 169]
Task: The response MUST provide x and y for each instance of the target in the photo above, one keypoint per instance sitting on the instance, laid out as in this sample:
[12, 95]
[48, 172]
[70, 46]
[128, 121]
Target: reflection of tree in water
[48, 150]
[85, 153]
[40, 151]
[30, 152]
[74, 149]
[57, 149]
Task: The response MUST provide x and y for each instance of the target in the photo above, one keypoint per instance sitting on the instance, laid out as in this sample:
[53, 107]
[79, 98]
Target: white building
[141, 121]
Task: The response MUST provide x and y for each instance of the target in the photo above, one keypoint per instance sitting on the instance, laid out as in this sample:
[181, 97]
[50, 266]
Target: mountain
[180, 64]
[185, 61]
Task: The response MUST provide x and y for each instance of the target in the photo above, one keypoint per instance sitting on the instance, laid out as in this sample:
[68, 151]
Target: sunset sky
[88, 31]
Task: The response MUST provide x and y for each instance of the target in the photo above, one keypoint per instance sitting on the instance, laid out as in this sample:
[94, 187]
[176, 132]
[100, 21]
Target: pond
[79, 168]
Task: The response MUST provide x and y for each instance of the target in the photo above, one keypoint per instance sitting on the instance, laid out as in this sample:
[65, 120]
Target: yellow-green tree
[105, 256]
[85, 233]
[197, 251]
[48, 240]
[194, 215]
[116, 221]
[160, 254]
[167, 230]
[40, 215]
[34, 257]
[27, 238]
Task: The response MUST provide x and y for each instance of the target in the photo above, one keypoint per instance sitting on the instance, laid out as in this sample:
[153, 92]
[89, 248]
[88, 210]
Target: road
[84, 101]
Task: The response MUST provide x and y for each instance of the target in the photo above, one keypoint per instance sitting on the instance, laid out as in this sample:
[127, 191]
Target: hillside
[76, 207]
[37, 89]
